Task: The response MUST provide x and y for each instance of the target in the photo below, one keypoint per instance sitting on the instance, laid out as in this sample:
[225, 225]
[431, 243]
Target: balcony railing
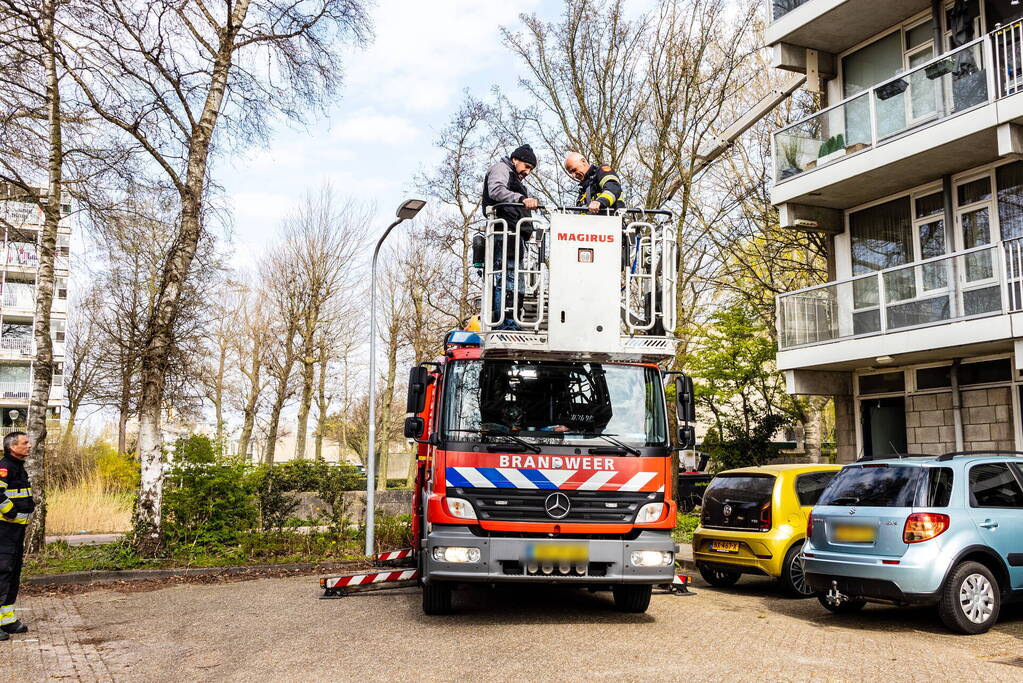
[18, 344]
[779, 8]
[16, 390]
[983, 281]
[935, 90]
[18, 295]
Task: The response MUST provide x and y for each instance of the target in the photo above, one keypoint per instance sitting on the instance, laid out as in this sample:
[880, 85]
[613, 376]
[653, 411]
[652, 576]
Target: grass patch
[89, 505]
[685, 526]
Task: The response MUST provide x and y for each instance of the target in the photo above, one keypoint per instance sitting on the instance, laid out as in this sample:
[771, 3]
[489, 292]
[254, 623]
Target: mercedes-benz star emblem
[727, 510]
[557, 505]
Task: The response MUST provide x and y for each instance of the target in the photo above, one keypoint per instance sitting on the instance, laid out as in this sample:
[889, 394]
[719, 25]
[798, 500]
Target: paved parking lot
[277, 628]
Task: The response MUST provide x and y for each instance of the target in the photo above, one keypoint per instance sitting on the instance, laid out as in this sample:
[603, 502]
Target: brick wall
[987, 419]
[930, 423]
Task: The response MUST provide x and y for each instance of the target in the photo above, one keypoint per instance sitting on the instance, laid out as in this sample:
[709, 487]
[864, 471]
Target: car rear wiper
[853, 500]
[522, 442]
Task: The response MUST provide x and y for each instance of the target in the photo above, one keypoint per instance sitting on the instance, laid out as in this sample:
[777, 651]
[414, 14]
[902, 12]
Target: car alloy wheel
[797, 578]
[977, 598]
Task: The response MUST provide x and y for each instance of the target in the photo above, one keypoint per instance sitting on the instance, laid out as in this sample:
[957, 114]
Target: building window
[61, 284]
[58, 374]
[934, 378]
[63, 245]
[882, 383]
[985, 372]
[1010, 200]
[57, 329]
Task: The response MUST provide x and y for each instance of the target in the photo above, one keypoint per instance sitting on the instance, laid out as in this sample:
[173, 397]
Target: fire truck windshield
[554, 403]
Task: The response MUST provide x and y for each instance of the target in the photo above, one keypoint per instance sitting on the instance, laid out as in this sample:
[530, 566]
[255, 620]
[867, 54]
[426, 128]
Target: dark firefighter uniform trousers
[12, 554]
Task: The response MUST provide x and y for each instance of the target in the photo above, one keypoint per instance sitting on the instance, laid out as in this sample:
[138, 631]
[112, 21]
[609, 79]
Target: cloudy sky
[399, 92]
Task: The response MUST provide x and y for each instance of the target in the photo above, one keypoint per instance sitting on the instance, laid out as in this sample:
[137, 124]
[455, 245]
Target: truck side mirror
[418, 379]
[685, 399]
[413, 427]
[686, 437]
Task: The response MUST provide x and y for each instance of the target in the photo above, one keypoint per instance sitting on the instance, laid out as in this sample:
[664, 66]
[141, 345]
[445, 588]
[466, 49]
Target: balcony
[969, 294]
[925, 122]
[835, 25]
[16, 345]
[18, 391]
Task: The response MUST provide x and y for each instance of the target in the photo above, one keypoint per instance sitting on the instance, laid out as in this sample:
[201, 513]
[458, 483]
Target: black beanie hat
[525, 153]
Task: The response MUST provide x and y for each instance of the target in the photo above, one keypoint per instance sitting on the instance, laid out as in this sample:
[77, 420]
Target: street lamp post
[408, 209]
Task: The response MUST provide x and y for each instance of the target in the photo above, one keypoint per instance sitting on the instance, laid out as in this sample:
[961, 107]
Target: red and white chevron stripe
[394, 555]
[364, 579]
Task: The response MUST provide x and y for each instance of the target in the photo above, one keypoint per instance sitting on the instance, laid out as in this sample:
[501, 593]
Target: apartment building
[21, 225]
[913, 168]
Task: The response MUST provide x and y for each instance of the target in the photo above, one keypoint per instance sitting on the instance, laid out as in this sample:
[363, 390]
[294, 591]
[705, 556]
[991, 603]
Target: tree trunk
[42, 367]
[322, 406]
[305, 401]
[275, 419]
[218, 394]
[122, 429]
[384, 429]
[249, 412]
[147, 523]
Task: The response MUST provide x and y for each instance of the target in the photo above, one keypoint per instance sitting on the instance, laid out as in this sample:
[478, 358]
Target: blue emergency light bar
[462, 338]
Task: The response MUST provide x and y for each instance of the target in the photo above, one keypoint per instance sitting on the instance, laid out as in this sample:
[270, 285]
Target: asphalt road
[278, 629]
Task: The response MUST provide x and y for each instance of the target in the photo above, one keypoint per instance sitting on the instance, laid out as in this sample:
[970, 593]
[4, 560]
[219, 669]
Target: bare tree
[82, 367]
[250, 344]
[168, 75]
[318, 250]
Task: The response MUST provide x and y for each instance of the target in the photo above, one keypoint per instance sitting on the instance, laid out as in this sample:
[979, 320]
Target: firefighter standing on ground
[599, 186]
[16, 507]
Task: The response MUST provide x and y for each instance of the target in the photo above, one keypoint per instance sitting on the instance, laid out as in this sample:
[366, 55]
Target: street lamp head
[409, 208]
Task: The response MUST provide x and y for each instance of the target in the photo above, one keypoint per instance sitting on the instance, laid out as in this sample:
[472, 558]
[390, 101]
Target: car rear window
[887, 486]
[735, 501]
[745, 488]
[810, 486]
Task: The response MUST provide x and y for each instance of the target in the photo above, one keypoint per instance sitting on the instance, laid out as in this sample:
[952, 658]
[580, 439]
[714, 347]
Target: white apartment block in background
[21, 225]
[913, 169]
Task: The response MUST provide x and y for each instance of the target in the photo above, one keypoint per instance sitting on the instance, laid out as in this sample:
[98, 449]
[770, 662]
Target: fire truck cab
[544, 452]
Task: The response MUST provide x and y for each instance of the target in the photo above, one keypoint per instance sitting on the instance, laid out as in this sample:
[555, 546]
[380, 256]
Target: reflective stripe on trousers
[7, 615]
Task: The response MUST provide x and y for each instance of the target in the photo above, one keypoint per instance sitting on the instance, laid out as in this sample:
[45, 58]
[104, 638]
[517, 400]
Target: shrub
[118, 470]
[208, 499]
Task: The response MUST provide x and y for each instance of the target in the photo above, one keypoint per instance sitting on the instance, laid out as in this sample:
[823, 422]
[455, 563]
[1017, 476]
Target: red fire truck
[544, 452]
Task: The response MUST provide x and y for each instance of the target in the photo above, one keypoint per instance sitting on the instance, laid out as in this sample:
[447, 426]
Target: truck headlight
[650, 558]
[459, 507]
[454, 553]
[651, 512]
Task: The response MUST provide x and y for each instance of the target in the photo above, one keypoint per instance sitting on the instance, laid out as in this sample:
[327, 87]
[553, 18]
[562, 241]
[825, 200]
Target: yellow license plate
[725, 546]
[855, 533]
[558, 552]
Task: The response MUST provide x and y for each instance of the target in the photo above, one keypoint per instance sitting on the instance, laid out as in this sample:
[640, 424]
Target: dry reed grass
[89, 505]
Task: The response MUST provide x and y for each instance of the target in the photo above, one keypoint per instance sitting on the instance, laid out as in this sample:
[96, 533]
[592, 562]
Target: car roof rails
[959, 454]
[895, 456]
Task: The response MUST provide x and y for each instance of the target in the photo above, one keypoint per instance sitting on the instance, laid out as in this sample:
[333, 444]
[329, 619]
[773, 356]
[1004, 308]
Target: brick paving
[58, 646]
[277, 628]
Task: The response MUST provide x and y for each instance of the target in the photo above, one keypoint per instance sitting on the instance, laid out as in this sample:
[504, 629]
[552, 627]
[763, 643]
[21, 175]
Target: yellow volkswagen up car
[754, 522]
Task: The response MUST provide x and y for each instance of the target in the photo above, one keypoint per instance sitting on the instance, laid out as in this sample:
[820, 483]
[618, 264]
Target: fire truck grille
[528, 505]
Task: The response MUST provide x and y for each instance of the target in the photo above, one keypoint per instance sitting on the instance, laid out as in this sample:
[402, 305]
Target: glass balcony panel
[780, 8]
[935, 291]
[936, 89]
[822, 138]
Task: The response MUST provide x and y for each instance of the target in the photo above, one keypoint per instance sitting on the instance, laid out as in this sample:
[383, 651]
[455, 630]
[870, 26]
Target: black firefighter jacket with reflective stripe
[16, 504]
[601, 183]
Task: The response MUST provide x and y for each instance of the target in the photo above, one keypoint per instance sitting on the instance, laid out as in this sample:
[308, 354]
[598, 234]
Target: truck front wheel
[437, 598]
[632, 597]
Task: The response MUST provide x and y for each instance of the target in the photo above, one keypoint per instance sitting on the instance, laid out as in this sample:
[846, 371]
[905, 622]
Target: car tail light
[809, 526]
[765, 518]
[923, 526]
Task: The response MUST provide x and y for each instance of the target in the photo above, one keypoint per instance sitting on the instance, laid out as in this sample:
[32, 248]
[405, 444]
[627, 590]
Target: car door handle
[988, 524]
